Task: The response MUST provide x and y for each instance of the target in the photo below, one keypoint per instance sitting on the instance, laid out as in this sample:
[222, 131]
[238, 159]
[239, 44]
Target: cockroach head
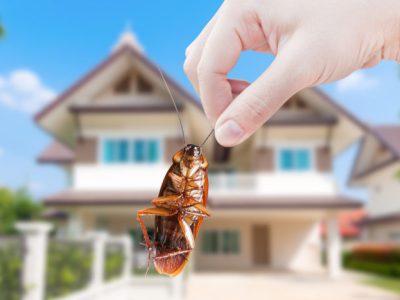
[192, 150]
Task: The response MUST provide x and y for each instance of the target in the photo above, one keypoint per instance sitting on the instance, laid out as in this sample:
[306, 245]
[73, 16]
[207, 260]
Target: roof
[308, 120]
[349, 223]
[125, 108]
[73, 197]
[387, 218]
[125, 49]
[389, 137]
[57, 153]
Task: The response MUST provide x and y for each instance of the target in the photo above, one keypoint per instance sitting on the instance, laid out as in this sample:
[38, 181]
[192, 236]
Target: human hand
[314, 42]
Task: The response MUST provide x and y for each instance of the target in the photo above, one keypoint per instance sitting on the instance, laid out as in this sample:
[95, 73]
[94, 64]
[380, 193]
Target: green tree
[2, 31]
[7, 215]
[16, 206]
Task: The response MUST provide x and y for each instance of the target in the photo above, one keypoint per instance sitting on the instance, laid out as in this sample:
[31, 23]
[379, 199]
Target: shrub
[68, 268]
[10, 272]
[381, 260]
[114, 263]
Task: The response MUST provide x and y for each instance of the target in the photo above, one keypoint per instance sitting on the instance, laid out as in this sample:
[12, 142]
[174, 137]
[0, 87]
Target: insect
[179, 208]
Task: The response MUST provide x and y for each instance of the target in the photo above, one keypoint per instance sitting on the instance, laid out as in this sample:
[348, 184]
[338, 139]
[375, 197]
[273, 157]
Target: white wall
[295, 245]
[384, 188]
[385, 233]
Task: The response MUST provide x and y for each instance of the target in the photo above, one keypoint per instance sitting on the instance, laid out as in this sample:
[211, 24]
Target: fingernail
[229, 133]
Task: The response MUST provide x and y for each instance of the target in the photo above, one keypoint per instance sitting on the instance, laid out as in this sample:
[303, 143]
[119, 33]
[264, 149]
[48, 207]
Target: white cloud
[23, 90]
[356, 81]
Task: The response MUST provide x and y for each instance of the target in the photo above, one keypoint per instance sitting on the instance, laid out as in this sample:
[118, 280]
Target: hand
[314, 42]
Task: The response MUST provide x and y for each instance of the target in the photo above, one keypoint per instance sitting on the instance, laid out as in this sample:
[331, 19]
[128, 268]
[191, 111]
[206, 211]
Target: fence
[11, 253]
[94, 267]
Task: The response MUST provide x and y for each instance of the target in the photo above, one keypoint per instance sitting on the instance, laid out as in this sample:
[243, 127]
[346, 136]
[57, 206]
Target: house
[349, 224]
[377, 168]
[115, 131]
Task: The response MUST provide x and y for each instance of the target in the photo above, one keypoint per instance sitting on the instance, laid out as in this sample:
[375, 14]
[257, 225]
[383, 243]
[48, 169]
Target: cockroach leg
[176, 179]
[187, 231]
[155, 211]
[166, 201]
[174, 253]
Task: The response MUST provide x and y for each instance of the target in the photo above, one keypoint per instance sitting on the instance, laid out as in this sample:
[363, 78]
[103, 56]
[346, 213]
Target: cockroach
[179, 208]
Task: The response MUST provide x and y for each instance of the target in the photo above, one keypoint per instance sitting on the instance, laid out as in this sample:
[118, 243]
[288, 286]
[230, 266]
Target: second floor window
[298, 159]
[139, 150]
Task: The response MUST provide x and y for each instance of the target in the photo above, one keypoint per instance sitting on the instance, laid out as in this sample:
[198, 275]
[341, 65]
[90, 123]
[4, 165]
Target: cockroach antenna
[206, 139]
[176, 107]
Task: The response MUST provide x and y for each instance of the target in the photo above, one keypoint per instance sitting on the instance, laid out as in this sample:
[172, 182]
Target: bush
[10, 272]
[380, 260]
[114, 263]
[68, 268]
[16, 206]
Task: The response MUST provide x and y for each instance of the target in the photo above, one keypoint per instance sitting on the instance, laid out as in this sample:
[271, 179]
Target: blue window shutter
[123, 151]
[303, 159]
[139, 151]
[286, 159]
[154, 150]
[109, 151]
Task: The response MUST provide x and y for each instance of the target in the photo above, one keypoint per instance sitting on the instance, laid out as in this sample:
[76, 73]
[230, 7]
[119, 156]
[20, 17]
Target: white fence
[127, 286]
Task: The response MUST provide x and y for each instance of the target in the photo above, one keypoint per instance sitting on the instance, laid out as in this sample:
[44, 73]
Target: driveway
[279, 286]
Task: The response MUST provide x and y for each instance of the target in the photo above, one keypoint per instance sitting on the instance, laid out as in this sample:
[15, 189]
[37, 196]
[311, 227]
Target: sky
[51, 44]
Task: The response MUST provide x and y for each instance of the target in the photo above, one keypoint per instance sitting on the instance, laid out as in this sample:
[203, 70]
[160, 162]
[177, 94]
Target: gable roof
[388, 136]
[104, 64]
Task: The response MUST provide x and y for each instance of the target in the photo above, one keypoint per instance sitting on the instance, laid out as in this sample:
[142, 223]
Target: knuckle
[257, 107]
[202, 70]
[189, 67]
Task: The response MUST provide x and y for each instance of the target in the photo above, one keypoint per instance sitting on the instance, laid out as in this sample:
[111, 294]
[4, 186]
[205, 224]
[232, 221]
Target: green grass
[388, 284]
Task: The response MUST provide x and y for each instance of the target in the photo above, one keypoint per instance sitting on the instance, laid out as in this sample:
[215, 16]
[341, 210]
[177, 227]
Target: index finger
[221, 53]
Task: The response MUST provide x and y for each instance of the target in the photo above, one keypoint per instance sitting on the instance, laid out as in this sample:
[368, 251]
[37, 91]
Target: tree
[7, 216]
[16, 206]
[2, 31]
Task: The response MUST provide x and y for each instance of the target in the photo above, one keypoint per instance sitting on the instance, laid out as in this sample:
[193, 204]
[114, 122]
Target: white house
[377, 167]
[115, 131]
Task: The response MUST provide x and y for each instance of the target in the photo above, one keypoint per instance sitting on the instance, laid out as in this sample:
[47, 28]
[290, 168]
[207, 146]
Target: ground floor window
[221, 241]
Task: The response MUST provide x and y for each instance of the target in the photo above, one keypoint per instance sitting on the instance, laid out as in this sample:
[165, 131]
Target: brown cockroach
[179, 208]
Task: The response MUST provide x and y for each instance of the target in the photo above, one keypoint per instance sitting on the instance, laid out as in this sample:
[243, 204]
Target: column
[334, 246]
[99, 252]
[34, 262]
[128, 253]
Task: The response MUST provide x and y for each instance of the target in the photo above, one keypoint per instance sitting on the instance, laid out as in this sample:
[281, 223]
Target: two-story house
[115, 132]
[377, 168]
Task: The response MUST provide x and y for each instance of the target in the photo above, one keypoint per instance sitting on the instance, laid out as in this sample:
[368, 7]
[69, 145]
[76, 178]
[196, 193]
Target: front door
[261, 245]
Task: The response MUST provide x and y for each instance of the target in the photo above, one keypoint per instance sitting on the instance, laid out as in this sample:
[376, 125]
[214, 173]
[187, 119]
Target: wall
[386, 232]
[295, 245]
[384, 190]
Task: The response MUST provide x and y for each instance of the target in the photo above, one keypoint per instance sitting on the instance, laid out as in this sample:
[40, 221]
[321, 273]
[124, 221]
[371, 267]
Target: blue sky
[51, 44]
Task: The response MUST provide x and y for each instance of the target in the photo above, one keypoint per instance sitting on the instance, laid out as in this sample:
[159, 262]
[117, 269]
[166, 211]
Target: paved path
[277, 286]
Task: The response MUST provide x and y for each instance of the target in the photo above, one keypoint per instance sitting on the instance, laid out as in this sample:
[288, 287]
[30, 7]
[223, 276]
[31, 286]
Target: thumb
[258, 102]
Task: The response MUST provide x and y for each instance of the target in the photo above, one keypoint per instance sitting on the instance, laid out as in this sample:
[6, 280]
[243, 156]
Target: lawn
[388, 284]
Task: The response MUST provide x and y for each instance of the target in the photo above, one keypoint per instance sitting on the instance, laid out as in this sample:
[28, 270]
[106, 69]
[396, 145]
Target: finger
[220, 54]
[258, 102]
[238, 86]
[194, 50]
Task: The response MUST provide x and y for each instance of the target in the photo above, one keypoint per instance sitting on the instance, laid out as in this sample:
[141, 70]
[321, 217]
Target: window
[137, 150]
[144, 86]
[294, 159]
[226, 242]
